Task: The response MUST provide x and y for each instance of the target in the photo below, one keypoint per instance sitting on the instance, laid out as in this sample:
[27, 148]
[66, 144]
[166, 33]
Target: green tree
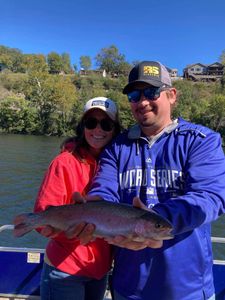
[85, 62]
[6, 60]
[16, 116]
[54, 97]
[35, 62]
[216, 113]
[110, 59]
[12, 58]
[126, 117]
[13, 82]
[55, 63]
[222, 57]
[66, 63]
[123, 68]
[222, 60]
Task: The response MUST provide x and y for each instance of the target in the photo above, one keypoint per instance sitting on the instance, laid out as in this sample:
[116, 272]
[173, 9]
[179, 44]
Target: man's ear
[172, 96]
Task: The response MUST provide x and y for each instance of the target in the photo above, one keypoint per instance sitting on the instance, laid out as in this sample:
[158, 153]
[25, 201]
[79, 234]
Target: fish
[110, 219]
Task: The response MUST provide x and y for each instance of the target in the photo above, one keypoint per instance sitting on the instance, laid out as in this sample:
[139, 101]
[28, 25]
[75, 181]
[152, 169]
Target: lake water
[23, 161]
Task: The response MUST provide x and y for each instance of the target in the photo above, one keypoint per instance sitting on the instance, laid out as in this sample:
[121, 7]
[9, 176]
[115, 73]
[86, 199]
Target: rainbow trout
[110, 219]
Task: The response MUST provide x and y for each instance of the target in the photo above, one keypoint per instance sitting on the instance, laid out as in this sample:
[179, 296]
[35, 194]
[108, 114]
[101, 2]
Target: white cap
[103, 103]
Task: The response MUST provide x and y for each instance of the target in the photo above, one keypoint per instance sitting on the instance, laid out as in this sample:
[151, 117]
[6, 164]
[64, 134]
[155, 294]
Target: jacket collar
[135, 132]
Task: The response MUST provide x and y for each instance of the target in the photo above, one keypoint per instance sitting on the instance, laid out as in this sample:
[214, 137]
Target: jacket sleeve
[105, 183]
[57, 187]
[204, 195]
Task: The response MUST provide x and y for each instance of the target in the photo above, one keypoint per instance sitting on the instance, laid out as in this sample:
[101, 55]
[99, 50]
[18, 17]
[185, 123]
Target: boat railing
[219, 240]
[219, 271]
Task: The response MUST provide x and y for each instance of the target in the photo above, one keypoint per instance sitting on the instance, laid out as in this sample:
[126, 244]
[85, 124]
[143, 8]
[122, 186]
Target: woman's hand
[83, 231]
[49, 232]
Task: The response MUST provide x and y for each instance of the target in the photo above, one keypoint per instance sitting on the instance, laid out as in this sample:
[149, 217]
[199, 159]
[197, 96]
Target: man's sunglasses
[151, 93]
[105, 124]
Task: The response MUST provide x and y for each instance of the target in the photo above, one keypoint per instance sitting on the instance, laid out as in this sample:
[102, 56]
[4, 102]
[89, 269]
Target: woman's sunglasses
[151, 93]
[105, 124]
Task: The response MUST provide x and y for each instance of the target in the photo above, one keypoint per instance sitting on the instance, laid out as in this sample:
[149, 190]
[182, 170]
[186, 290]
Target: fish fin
[73, 231]
[70, 233]
[22, 225]
[82, 231]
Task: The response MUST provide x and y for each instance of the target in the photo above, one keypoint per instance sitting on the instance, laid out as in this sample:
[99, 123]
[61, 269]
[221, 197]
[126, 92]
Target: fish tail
[24, 223]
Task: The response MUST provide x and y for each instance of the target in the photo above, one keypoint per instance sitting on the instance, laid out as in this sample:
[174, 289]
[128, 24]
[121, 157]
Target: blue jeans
[119, 297]
[57, 285]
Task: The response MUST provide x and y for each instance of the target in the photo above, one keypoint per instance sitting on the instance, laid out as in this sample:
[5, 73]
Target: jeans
[57, 285]
[119, 297]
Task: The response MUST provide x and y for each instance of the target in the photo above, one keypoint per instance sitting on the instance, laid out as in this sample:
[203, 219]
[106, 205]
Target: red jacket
[65, 175]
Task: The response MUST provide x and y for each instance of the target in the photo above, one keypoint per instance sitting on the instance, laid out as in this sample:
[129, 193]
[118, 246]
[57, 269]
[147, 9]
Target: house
[215, 69]
[84, 72]
[174, 73]
[202, 72]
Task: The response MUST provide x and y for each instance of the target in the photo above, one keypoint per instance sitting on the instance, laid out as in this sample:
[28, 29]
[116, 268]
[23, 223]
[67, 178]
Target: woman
[73, 271]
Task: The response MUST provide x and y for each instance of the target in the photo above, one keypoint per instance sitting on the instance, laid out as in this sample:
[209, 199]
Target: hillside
[41, 103]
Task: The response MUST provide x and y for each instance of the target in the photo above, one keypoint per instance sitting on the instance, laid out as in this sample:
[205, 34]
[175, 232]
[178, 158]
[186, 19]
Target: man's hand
[123, 242]
[77, 198]
[139, 204]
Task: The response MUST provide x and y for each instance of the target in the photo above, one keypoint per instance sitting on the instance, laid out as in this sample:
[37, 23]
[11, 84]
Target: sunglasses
[151, 93]
[105, 124]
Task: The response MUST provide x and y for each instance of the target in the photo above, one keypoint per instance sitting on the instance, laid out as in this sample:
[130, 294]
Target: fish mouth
[169, 234]
[169, 237]
[165, 235]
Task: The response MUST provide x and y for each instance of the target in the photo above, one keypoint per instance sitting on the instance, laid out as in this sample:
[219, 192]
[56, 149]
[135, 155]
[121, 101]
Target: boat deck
[22, 269]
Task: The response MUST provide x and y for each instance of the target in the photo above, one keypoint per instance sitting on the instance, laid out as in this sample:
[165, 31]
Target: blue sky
[174, 32]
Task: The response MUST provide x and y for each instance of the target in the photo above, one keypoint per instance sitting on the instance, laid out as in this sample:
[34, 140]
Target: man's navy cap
[151, 72]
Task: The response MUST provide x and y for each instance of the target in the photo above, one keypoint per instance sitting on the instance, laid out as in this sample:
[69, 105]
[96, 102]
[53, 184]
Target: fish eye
[158, 225]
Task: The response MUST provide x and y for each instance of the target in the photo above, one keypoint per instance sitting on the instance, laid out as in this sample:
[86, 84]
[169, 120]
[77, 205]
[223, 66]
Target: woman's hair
[78, 142]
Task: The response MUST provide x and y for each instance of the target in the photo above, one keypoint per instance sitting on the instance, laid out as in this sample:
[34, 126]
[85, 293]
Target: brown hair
[78, 142]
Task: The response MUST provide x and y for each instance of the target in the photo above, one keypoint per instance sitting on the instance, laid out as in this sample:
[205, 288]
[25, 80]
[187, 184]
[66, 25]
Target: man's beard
[147, 123]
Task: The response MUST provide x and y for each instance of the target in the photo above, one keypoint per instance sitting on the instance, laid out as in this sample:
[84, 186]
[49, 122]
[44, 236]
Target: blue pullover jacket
[180, 173]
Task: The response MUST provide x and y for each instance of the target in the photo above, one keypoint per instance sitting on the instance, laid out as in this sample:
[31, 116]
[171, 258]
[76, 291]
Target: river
[23, 161]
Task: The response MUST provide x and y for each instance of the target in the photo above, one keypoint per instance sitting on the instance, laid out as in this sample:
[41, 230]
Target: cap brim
[109, 114]
[130, 85]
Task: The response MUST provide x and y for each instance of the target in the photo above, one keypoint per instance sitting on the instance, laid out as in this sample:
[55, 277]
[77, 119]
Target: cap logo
[100, 103]
[151, 71]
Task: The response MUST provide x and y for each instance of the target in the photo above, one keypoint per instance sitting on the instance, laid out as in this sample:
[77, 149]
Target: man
[177, 169]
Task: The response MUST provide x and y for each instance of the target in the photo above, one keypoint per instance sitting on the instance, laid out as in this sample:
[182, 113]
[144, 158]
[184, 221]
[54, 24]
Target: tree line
[44, 103]
[108, 59]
